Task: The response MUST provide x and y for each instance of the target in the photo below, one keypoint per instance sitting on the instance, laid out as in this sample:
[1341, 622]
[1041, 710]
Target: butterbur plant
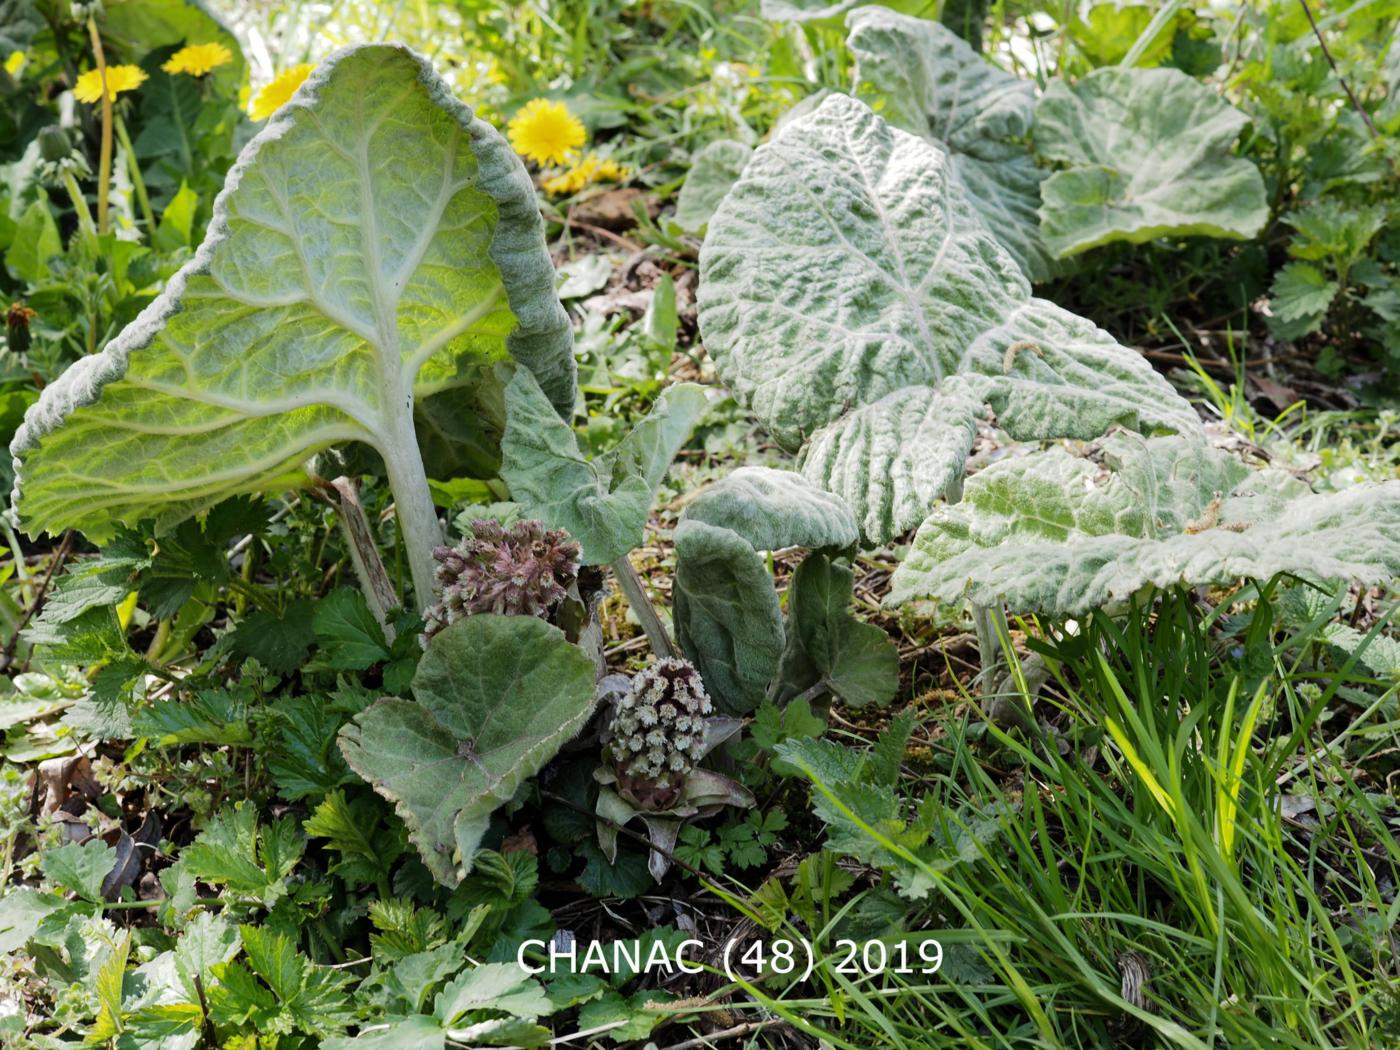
[523, 570]
[660, 728]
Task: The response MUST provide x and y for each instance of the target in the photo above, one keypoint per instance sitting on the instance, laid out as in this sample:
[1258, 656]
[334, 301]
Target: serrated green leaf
[250, 859]
[930, 82]
[492, 986]
[713, 172]
[374, 242]
[1301, 292]
[78, 868]
[774, 509]
[348, 632]
[278, 641]
[726, 614]
[1061, 534]
[1149, 156]
[496, 697]
[847, 274]
[602, 503]
[304, 759]
[210, 716]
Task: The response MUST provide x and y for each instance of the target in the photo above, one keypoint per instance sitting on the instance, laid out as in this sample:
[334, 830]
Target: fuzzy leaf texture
[1149, 156]
[773, 509]
[931, 82]
[373, 244]
[1060, 533]
[495, 698]
[726, 614]
[602, 503]
[852, 296]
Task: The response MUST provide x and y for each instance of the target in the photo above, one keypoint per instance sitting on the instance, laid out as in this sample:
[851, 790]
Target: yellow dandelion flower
[545, 132]
[15, 63]
[586, 172]
[119, 79]
[611, 171]
[283, 86]
[198, 59]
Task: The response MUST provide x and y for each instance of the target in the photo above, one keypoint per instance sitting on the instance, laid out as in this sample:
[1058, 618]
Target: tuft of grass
[1178, 864]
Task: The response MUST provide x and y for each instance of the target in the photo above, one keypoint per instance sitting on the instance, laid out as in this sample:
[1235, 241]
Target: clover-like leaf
[712, 174]
[1149, 156]
[1061, 533]
[496, 697]
[847, 283]
[373, 244]
[928, 80]
[726, 614]
[773, 509]
[603, 503]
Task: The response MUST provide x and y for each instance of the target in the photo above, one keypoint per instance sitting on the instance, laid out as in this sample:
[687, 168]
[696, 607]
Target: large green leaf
[726, 615]
[853, 297]
[712, 174]
[374, 243]
[930, 81]
[1149, 156]
[496, 698]
[773, 509]
[602, 503]
[1061, 533]
[135, 27]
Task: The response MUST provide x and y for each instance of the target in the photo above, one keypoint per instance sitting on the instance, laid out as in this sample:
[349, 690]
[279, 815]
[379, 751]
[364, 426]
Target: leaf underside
[713, 172]
[374, 242]
[1149, 156]
[496, 697]
[1061, 533]
[932, 83]
[851, 296]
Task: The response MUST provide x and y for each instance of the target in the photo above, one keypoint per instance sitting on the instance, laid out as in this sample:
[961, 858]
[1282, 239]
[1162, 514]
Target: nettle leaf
[373, 244]
[713, 173]
[773, 509]
[1062, 533]
[726, 615]
[603, 503]
[496, 698]
[1301, 295]
[930, 81]
[1149, 156]
[851, 295]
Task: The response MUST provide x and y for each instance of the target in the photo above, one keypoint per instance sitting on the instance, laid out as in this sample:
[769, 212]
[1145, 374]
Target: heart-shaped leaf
[495, 698]
[931, 82]
[1149, 156]
[846, 283]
